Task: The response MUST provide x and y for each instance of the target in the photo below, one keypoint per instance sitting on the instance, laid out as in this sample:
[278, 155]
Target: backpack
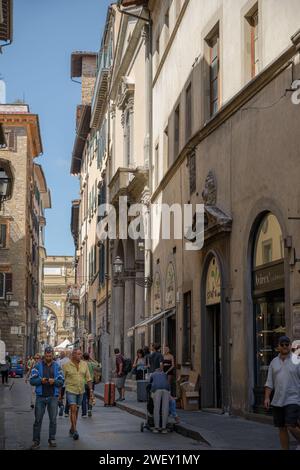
[127, 366]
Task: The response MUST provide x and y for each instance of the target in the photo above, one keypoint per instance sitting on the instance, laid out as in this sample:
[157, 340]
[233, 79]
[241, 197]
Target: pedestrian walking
[156, 359]
[77, 375]
[47, 377]
[296, 348]
[169, 364]
[63, 359]
[147, 356]
[120, 374]
[284, 379]
[87, 400]
[36, 359]
[160, 390]
[5, 371]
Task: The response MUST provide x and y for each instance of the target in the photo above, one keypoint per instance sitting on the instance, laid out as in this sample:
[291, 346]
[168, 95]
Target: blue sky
[36, 67]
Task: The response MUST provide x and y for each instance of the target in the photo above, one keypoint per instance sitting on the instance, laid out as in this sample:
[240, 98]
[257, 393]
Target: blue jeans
[41, 404]
[86, 401]
[74, 399]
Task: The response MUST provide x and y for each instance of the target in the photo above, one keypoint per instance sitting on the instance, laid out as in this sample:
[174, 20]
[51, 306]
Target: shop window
[268, 300]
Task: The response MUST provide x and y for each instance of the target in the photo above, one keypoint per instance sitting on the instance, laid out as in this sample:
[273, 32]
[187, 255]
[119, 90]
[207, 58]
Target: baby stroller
[149, 423]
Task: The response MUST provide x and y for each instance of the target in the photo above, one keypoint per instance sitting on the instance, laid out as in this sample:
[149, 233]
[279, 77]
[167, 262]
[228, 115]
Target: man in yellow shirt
[77, 374]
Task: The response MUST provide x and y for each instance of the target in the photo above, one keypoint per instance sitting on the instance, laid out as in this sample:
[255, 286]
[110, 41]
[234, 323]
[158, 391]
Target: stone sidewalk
[218, 431]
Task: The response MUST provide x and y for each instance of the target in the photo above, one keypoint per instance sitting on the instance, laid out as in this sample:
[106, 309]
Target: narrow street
[108, 429]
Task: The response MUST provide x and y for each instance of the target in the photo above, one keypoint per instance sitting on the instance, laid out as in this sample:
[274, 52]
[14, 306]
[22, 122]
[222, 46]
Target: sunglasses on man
[285, 345]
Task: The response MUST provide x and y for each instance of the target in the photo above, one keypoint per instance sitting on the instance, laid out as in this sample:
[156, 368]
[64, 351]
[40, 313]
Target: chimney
[84, 65]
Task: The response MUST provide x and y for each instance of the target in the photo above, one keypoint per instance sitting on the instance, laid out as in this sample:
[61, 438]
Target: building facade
[22, 222]
[225, 136]
[196, 100]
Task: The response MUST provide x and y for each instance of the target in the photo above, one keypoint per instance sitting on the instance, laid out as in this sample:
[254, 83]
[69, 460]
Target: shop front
[268, 300]
[212, 339]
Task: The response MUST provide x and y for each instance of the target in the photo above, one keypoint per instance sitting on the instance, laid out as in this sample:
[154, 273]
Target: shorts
[74, 399]
[120, 382]
[288, 415]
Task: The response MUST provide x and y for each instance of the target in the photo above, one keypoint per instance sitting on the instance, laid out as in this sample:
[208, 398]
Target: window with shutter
[176, 132]
[6, 25]
[192, 172]
[2, 285]
[214, 46]
[8, 282]
[3, 236]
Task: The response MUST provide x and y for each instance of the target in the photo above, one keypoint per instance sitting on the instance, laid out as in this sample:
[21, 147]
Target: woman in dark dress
[169, 364]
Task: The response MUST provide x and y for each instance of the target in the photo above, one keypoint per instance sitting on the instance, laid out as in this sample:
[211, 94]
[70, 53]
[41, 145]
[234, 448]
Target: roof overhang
[40, 175]
[131, 3]
[81, 136]
[10, 115]
[100, 98]
[76, 61]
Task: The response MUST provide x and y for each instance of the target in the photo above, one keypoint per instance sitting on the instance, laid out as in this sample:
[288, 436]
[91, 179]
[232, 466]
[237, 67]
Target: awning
[64, 345]
[140, 327]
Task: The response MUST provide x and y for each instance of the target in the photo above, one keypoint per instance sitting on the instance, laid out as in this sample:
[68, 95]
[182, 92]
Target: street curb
[182, 428]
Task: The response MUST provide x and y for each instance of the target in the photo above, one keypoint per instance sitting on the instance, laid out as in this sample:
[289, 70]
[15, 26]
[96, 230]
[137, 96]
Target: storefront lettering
[269, 279]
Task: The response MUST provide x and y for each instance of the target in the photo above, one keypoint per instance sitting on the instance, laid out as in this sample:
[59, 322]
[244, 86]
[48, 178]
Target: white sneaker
[155, 431]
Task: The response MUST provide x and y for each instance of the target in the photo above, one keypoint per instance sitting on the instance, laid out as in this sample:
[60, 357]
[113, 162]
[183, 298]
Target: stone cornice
[32, 122]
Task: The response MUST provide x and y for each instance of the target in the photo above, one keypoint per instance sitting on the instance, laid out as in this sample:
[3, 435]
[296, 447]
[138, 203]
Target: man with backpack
[123, 367]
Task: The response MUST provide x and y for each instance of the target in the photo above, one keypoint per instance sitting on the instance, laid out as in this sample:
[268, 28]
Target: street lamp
[5, 185]
[118, 266]
[121, 274]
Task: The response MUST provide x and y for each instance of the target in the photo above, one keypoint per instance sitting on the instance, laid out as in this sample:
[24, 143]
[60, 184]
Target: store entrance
[269, 326]
[171, 335]
[215, 355]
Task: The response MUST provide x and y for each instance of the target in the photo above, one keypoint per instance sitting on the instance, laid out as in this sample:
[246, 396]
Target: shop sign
[269, 278]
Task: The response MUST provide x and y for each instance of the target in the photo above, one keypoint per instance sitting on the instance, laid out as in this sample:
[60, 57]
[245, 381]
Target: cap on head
[284, 339]
[49, 349]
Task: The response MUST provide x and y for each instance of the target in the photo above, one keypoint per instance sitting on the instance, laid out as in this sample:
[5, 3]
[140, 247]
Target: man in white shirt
[284, 380]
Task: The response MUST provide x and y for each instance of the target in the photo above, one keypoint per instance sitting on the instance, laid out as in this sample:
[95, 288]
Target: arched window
[268, 297]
